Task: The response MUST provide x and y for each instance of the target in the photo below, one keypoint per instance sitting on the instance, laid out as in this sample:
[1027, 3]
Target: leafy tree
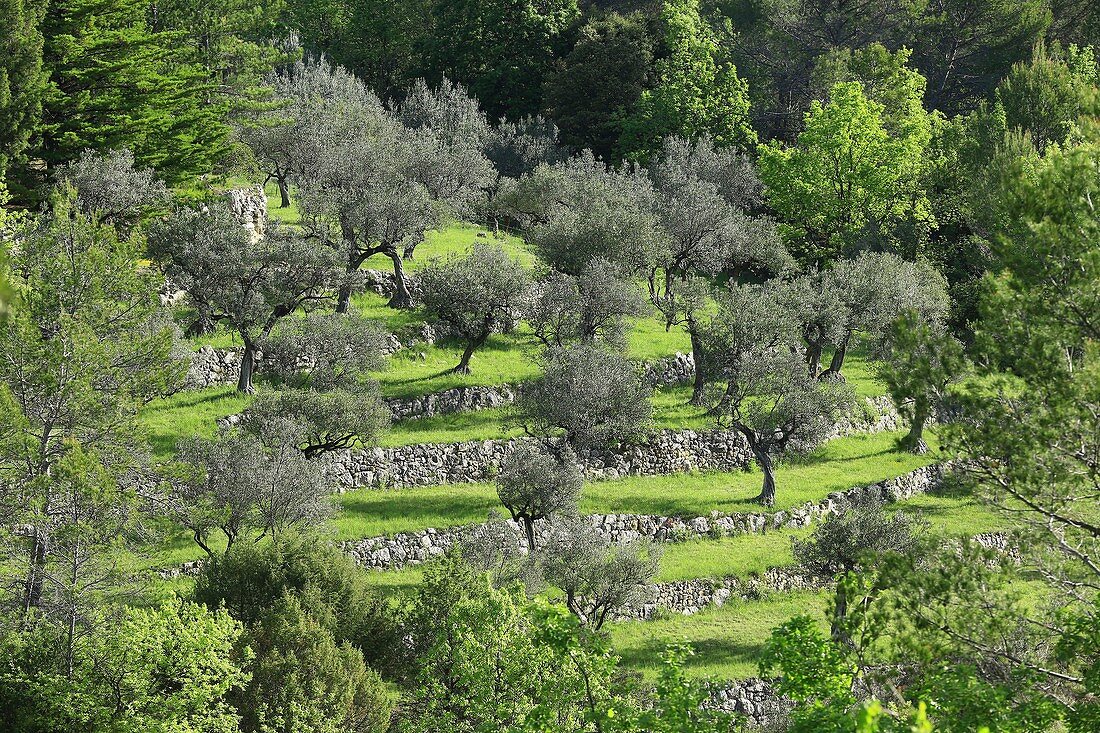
[845, 174]
[921, 360]
[702, 196]
[697, 93]
[536, 483]
[813, 666]
[474, 295]
[1039, 390]
[592, 307]
[578, 210]
[488, 657]
[115, 82]
[232, 486]
[302, 680]
[759, 385]
[587, 108]
[592, 396]
[167, 668]
[22, 78]
[248, 283]
[324, 399]
[499, 49]
[84, 349]
[599, 578]
[251, 579]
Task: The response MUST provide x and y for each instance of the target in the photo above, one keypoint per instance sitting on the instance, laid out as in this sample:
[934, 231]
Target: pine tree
[115, 83]
[22, 80]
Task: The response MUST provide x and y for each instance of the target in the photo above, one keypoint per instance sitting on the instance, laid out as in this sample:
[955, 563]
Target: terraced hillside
[728, 575]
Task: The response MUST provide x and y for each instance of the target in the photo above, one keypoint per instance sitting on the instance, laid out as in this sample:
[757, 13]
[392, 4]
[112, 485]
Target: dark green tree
[588, 109]
[500, 50]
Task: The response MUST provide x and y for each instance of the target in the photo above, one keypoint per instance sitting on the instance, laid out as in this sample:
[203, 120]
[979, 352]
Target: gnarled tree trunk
[248, 366]
[402, 298]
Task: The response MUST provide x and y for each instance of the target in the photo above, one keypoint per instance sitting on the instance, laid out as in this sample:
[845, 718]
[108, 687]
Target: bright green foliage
[115, 83]
[812, 666]
[304, 682]
[1047, 96]
[83, 350]
[165, 670]
[22, 80]
[232, 41]
[697, 93]
[498, 49]
[487, 662]
[847, 177]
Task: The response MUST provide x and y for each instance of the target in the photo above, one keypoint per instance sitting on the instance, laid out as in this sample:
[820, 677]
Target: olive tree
[278, 133]
[357, 192]
[109, 188]
[517, 148]
[590, 307]
[872, 290]
[920, 360]
[591, 396]
[452, 134]
[581, 209]
[759, 384]
[235, 486]
[324, 398]
[474, 295]
[598, 577]
[702, 201]
[535, 483]
[248, 284]
[847, 542]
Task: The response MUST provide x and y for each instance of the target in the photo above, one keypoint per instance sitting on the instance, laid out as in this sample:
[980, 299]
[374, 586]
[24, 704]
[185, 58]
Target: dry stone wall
[411, 548]
[665, 452]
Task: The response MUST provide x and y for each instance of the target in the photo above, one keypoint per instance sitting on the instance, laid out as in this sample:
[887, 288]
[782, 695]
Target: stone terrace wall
[412, 548]
[666, 452]
[753, 698]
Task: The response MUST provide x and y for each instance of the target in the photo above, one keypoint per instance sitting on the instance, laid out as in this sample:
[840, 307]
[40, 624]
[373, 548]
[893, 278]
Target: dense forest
[618, 366]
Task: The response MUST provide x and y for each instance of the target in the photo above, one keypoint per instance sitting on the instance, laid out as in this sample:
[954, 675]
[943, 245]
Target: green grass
[841, 464]
[739, 556]
[727, 640]
[195, 412]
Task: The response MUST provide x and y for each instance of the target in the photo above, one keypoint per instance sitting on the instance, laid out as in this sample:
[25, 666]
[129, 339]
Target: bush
[330, 587]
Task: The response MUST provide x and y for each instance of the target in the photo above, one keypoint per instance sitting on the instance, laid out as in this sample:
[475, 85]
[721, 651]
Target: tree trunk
[767, 493]
[837, 363]
[248, 366]
[529, 529]
[813, 357]
[698, 384]
[840, 613]
[343, 298]
[32, 587]
[471, 346]
[914, 440]
[401, 296]
[284, 192]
